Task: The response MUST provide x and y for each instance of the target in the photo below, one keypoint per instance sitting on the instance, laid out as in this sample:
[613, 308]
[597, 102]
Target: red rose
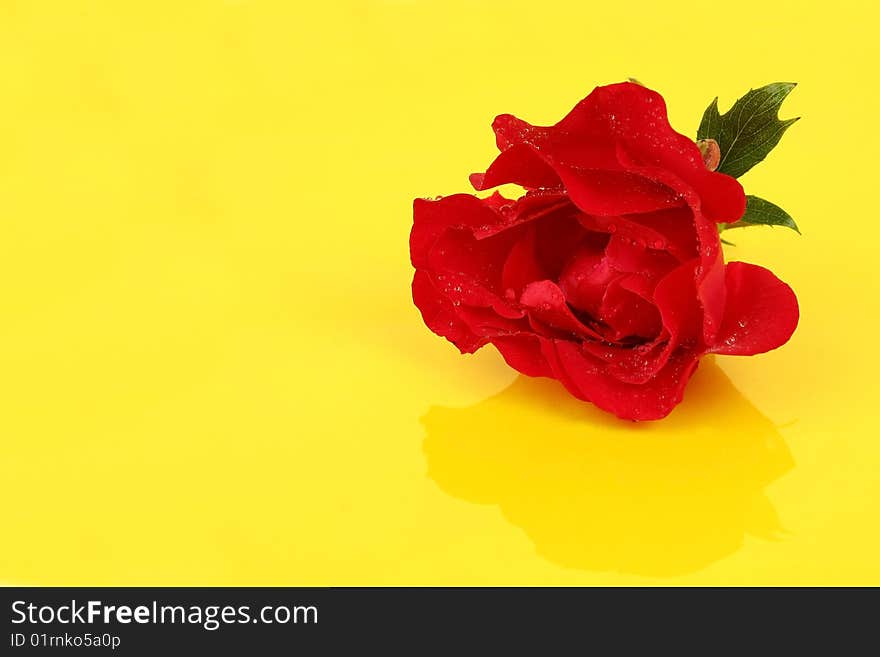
[608, 273]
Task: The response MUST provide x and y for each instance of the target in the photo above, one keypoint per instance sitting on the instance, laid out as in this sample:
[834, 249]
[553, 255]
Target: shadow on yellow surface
[596, 493]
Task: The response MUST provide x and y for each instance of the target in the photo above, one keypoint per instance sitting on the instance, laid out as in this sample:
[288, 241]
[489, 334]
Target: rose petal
[440, 315]
[675, 298]
[717, 196]
[761, 313]
[628, 313]
[511, 131]
[711, 290]
[630, 121]
[481, 217]
[587, 378]
[523, 353]
[522, 266]
[624, 227]
[463, 241]
[545, 303]
[628, 255]
[464, 291]
[558, 238]
[520, 165]
[585, 279]
[533, 206]
[637, 117]
[614, 192]
[555, 145]
[673, 231]
[630, 364]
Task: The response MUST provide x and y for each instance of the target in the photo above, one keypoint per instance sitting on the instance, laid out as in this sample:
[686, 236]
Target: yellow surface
[211, 371]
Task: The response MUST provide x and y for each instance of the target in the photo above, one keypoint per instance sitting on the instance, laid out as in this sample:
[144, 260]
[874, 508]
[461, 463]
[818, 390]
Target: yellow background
[211, 371]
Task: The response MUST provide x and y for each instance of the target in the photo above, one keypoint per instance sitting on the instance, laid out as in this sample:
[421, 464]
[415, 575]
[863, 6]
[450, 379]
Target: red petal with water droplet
[586, 377]
[628, 310]
[671, 230]
[761, 314]
[522, 266]
[676, 300]
[520, 165]
[604, 193]
[585, 279]
[440, 315]
[546, 305]
[634, 256]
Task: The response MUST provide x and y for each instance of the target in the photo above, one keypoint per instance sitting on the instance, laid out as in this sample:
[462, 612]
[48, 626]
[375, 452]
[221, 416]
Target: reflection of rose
[658, 499]
[608, 273]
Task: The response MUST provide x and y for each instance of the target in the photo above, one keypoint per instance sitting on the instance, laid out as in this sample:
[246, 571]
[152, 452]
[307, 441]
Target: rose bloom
[607, 273]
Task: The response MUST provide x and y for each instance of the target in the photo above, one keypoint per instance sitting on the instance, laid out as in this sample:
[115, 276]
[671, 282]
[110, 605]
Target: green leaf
[763, 213]
[749, 130]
